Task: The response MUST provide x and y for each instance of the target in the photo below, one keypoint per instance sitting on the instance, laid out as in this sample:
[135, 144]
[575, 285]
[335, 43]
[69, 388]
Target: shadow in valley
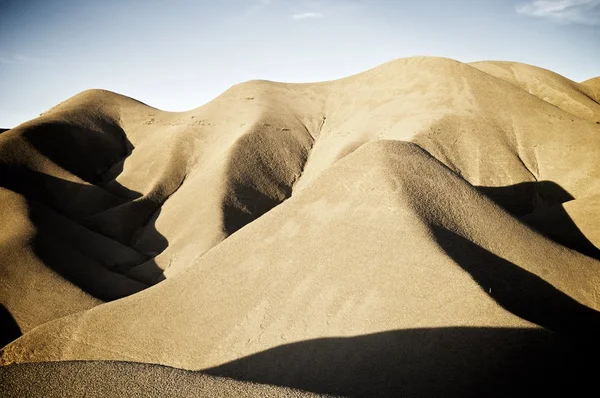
[450, 361]
[243, 205]
[539, 205]
[9, 329]
[262, 168]
[70, 230]
[519, 291]
[454, 361]
[444, 362]
[87, 152]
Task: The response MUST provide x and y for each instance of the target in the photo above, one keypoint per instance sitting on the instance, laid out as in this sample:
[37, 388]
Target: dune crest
[332, 237]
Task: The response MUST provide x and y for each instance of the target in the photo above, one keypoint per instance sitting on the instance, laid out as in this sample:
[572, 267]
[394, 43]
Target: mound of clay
[427, 227]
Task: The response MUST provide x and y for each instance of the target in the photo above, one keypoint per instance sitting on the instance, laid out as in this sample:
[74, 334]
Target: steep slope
[313, 235]
[50, 265]
[360, 251]
[594, 85]
[577, 99]
[125, 380]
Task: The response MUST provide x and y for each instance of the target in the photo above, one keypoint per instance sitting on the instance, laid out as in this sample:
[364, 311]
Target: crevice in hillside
[154, 216]
[314, 139]
[518, 156]
[263, 169]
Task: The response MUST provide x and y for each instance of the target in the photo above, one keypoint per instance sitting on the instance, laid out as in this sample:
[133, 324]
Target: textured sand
[125, 379]
[425, 227]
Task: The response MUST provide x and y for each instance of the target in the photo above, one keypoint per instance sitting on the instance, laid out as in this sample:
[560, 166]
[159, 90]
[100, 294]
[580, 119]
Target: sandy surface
[425, 227]
[125, 379]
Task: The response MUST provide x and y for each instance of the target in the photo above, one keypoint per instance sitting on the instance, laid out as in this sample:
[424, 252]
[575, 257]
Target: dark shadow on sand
[560, 358]
[244, 205]
[9, 329]
[454, 361]
[519, 291]
[538, 204]
[58, 208]
[85, 152]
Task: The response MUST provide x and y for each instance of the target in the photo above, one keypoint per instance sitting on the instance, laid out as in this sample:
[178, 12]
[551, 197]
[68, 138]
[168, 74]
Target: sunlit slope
[419, 197]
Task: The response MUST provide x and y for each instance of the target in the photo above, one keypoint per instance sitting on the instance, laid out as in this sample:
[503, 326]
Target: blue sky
[179, 54]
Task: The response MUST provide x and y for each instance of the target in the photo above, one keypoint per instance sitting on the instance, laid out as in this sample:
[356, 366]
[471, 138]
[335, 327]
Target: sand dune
[126, 379]
[594, 85]
[425, 227]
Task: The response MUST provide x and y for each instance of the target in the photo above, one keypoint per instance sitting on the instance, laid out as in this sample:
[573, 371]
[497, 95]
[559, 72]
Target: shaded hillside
[343, 237]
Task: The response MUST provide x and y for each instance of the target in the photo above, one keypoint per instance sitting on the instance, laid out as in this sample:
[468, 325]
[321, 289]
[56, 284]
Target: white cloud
[566, 11]
[307, 15]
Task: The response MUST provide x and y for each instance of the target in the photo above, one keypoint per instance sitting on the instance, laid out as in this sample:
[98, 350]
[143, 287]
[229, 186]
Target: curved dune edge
[495, 362]
[125, 379]
[426, 198]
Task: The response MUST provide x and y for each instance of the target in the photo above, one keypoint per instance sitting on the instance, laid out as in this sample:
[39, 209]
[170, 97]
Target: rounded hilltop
[416, 229]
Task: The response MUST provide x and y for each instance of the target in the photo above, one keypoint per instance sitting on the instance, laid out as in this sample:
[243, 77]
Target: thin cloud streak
[19, 59]
[585, 12]
[255, 8]
[307, 15]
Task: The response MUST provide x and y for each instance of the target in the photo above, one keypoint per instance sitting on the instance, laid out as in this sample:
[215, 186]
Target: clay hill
[424, 228]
